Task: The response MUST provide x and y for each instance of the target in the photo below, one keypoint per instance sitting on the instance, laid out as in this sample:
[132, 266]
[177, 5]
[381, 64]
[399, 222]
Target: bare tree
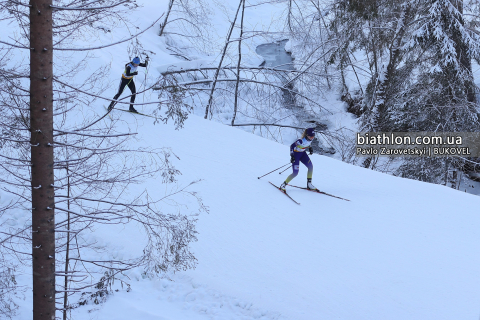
[235, 105]
[91, 182]
[77, 174]
[262, 95]
[187, 23]
[222, 57]
[165, 21]
[8, 283]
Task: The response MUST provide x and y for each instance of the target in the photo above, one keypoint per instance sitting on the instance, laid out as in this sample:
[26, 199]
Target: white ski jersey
[300, 145]
[130, 67]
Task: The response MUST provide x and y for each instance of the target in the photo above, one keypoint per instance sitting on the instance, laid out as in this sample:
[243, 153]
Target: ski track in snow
[179, 298]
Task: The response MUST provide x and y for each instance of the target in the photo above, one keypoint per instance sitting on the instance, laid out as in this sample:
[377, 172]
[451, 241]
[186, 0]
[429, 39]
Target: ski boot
[283, 186]
[132, 109]
[310, 186]
[110, 107]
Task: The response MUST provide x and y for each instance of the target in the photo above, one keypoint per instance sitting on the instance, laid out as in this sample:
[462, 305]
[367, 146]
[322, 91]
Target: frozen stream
[276, 57]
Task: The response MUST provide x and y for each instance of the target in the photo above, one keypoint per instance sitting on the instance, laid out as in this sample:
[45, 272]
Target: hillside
[400, 249]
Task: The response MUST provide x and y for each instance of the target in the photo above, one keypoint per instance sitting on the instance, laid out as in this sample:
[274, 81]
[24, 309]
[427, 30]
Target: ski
[318, 191]
[285, 193]
[124, 110]
[142, 114]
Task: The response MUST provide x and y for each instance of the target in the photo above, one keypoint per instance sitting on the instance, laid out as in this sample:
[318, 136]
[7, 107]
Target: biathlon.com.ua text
[419, 144]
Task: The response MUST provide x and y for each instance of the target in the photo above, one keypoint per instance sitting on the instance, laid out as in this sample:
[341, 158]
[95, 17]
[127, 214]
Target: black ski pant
[131, 85]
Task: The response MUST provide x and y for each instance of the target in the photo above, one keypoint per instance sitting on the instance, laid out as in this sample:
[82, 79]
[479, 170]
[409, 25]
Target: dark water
[275, 55]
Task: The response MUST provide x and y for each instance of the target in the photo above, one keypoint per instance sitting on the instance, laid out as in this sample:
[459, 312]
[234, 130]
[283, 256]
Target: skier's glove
[135, 73]
[310, 150]
[292, 159]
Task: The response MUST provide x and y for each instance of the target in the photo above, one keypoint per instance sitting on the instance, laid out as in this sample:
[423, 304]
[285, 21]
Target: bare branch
[95, 8]
[16, 46]
[111, 44]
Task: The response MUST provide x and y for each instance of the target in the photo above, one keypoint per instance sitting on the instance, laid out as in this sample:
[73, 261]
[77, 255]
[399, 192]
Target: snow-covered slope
[400, 249]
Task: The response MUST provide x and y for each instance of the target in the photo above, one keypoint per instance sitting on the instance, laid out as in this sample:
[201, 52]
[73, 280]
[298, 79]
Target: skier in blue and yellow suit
[297, 153]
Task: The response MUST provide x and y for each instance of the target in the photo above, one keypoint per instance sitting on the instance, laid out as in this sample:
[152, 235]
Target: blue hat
[136, 60]
[311, 132]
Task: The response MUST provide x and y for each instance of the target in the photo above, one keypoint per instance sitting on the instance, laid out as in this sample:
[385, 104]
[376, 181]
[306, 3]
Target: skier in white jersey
[127, 80]
[297, 153]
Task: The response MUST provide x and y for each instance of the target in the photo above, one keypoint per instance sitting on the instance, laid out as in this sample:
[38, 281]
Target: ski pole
[145, 81]
[274, 170]
[283, 171]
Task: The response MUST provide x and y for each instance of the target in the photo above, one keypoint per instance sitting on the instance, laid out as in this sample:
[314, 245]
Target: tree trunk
[235, 106]
[67, 250]
[224, 52]
[395, 51]
[289, 16]
[162, 26]
[464, 56]
[41, 127]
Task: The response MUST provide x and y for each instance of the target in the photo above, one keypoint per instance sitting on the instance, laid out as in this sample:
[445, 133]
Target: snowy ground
[400, 249]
